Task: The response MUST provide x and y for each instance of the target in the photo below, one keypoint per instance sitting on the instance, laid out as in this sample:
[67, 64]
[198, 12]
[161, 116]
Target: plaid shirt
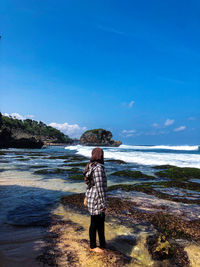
[96, 194]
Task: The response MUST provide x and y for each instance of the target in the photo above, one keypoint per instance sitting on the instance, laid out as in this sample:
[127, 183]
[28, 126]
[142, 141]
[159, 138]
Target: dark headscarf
[97, 157]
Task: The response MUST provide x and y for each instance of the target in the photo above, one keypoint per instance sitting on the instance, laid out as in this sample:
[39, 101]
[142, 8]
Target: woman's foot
[98, 250]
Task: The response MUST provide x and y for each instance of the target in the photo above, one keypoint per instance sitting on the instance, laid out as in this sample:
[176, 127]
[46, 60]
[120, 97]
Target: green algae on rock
[81, 164]
[180, 173]
[77, 177]
[23, 159]
[148, 188]
[58, 171]
[161, 248]
[132, 174]
[116, 161]
[162, 167]
[37, 166]
[51, 171]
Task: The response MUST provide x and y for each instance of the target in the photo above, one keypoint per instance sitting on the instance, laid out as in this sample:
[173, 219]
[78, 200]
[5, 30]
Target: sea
[27, 196]
[181, 156]
[23, 188]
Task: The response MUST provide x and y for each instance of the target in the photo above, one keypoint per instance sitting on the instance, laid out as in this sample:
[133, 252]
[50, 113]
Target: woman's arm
[100, 185]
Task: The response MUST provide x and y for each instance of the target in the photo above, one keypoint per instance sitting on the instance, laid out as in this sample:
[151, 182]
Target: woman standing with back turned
[95, 178]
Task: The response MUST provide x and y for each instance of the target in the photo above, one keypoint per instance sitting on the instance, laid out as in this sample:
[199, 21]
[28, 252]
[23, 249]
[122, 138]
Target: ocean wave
[181, 148]
[143, 158]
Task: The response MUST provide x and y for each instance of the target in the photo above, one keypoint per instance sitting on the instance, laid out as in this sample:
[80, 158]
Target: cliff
[98, 137]
[28, 133]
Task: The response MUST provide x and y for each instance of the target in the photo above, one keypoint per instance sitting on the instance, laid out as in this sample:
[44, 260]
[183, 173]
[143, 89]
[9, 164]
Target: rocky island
[15, 133]
[98, 137]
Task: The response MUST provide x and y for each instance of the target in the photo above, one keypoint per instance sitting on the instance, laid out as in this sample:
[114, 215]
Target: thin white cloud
[128, 133]
[110, 29]
[192, 118]
[131, 104]
[18, 116]
[181, 128]
[169, 79]
[128, 105]
[169, 122]
[30, 116]
[155, 125]
[73, 130]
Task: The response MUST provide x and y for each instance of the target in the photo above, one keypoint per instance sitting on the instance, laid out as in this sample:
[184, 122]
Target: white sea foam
[142, 157]
[182, 148]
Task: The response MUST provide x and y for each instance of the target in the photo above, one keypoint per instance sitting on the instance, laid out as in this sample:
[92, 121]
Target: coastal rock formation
[18, 139]
[28, 133]
[98, 137]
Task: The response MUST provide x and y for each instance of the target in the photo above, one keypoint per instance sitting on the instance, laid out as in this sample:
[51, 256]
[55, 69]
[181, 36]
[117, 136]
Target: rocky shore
[165, 229]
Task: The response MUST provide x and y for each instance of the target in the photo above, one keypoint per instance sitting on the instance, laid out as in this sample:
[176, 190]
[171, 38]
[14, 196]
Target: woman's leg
[92, 231]
[100, 228]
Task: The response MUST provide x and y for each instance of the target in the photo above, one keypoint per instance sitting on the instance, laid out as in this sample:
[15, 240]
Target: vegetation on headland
[37, 129]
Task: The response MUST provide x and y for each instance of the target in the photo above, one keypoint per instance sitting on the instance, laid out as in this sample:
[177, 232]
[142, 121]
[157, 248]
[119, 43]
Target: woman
[95, 178]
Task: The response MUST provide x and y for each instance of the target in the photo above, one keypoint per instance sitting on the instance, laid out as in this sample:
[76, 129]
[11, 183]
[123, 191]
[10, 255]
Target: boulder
[98, 137]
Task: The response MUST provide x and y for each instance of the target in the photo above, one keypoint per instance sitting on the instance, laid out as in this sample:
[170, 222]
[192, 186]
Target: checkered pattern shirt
[96, 194]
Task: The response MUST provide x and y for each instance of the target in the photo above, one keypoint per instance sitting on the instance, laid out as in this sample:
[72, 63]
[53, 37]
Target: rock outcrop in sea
[98, 137]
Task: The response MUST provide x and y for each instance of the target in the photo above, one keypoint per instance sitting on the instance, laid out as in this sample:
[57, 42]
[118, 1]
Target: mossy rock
[132, 174]
[59, 157]
[162, 167]
[162, 249]
[38, 166]
[125, 187]
[159, 247]
[2, 153]
[180, 173]
[36, 154]
[77, 177]
[81, 164]
[148, 188]
[116, 161]
[51, 171]
[4, 161]
[76, 158]
[179, 184]
[75, 170]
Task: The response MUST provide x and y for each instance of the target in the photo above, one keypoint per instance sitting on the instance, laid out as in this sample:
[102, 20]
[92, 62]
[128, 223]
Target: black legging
[97, 224]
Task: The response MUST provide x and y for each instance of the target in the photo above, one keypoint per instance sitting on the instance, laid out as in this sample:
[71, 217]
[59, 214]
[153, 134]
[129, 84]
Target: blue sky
[132, 67]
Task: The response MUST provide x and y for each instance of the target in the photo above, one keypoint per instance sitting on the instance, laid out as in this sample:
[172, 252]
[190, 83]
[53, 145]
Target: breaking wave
[138, 155]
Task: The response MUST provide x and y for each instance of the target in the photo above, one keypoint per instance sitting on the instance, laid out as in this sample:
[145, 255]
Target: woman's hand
[85, 202]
